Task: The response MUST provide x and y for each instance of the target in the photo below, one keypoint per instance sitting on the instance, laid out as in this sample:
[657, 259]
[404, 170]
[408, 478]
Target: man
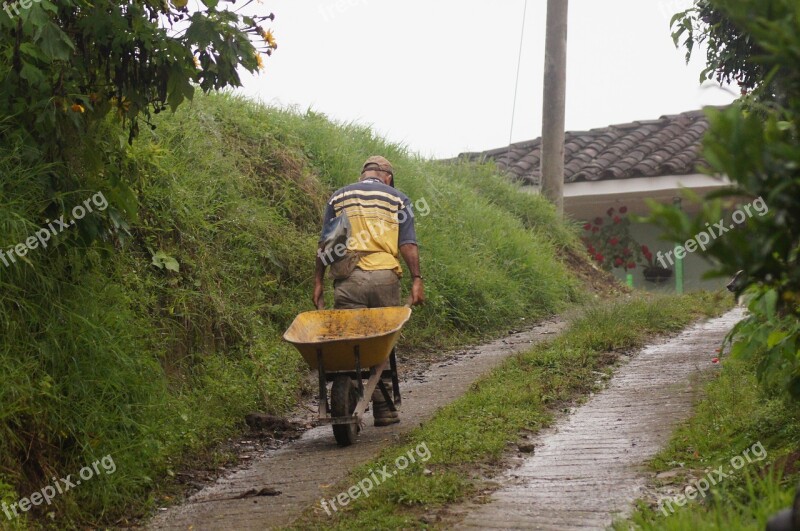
[382, 226]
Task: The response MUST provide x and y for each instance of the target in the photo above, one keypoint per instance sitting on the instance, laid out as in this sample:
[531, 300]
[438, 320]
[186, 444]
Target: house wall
[694, 266]
[587, 200]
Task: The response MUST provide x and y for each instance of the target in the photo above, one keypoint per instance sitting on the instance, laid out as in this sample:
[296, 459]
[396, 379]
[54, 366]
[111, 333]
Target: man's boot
[380, 409]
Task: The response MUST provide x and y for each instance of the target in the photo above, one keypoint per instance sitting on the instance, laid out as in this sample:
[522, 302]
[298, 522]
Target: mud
[590, 468]
[277, 487]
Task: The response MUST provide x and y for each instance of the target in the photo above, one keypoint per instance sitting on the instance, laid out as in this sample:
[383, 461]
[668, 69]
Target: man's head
[377, 167]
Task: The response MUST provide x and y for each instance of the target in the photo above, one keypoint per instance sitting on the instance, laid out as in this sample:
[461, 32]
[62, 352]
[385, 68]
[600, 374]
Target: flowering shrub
[609, 241]
[648, 257]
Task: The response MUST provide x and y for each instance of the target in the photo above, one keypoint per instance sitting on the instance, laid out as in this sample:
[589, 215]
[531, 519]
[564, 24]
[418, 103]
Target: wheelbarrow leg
[323, 387]
[395, 384]
[386, 397]
[372, 383]
[359, 382]
[395, 379]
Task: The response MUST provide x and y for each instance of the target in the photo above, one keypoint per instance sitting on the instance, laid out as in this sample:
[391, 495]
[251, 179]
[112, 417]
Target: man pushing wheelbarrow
[364, 260]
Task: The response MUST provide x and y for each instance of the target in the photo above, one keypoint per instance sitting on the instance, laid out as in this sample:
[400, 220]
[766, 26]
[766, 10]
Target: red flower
[645, 249]
[610, 212]
[598, 221]
[714, 360]
[613, 241]
[626, 252]
[617, 220]
[592, 250]
[599, 257]
[618, 262]
[595, 229]
[631, 265]
[588, 226]
[623, 210]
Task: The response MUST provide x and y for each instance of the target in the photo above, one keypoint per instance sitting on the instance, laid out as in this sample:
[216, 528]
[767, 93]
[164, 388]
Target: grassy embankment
[104, 353]
[523, 394]
[734, 414]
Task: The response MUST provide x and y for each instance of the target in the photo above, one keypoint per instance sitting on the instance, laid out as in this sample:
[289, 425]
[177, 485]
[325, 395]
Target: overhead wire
[516, 82]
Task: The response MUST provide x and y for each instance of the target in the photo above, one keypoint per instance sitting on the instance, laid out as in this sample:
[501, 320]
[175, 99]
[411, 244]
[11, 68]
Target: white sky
[438, 75]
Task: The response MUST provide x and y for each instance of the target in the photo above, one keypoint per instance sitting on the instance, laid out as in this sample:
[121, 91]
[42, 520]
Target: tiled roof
[667, 146]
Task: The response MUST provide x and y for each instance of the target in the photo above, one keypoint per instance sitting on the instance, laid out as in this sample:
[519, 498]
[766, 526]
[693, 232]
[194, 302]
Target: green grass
[523, 393]
[734, 414]
[103, 353]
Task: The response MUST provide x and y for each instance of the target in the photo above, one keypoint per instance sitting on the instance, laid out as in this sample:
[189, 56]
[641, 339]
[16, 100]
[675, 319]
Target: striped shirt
[381, 219]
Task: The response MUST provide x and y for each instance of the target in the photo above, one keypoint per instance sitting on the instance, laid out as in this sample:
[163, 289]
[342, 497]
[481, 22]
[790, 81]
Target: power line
[516, 83]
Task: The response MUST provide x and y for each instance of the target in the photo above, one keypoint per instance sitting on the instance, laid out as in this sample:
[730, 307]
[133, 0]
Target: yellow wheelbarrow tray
[347, 347]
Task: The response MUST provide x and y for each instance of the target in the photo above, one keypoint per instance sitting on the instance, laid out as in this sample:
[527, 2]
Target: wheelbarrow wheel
[344, 397]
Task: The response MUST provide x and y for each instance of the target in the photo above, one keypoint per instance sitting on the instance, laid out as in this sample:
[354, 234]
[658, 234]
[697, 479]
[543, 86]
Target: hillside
[153, 342]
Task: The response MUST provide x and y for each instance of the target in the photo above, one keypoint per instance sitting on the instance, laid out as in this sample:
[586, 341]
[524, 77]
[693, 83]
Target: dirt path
[587, 470]
[299, 469]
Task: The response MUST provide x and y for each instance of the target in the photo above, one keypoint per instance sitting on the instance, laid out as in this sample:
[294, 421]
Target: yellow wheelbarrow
[347, 347]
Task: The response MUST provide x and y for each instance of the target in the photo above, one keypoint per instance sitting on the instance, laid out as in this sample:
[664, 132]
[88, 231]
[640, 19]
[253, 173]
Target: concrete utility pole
[554, 103]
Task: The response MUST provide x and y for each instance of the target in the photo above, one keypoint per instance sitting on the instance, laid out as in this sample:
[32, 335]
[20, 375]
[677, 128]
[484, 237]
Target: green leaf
[32, 51]
[32, 75]
[54, 42]
[775, 337]
[164, 261]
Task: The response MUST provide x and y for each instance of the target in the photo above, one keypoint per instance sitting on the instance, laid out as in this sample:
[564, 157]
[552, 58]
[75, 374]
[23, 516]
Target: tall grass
[106, 352]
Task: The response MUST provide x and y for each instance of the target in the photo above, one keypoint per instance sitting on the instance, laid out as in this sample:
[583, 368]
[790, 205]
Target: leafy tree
[67, 63]
[67, 66]
[756, 143]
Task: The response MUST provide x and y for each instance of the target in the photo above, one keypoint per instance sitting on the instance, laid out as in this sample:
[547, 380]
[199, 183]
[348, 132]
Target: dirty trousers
[367, 289]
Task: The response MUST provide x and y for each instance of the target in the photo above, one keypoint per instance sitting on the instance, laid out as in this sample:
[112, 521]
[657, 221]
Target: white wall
[693, 264]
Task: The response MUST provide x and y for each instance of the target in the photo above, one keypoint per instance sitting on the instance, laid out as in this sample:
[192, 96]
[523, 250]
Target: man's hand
[417, 292]
[410, 254]
[318, 298]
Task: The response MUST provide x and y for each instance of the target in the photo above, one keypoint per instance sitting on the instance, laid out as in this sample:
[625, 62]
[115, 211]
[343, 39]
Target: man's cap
[376, 162]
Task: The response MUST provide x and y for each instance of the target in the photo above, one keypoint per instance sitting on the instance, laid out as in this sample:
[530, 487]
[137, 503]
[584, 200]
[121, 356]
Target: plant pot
[657, 274]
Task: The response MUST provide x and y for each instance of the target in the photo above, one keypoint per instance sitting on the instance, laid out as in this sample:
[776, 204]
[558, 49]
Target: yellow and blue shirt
[381, 219]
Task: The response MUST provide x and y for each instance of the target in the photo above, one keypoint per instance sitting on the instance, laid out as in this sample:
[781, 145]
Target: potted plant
[653, 272]
[609, 241]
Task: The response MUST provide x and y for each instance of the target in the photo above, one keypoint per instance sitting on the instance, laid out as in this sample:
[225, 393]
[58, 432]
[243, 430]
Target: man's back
[381, 219]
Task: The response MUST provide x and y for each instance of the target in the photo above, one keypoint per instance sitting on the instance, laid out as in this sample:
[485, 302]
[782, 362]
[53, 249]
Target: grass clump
[522, 394]
[150, 343]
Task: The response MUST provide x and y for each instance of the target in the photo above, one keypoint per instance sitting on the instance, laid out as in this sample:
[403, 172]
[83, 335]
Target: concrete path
[588, 469]
[300, 469]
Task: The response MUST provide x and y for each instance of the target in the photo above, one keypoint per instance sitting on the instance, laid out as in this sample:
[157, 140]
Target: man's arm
[318, 297]
[410, 253]
[319, 271]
